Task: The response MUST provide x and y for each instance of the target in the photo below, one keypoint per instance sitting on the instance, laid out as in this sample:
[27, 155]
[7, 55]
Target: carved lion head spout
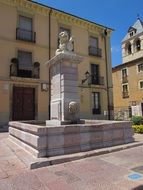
[65, 43]
[73, 107]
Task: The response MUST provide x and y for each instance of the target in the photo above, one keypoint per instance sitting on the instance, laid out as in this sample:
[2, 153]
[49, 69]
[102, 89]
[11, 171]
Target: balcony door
[94, 74]
[23, 103]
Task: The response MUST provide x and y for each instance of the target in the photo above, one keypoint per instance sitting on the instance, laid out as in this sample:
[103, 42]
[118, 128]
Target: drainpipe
[50, 12]
[106, 62]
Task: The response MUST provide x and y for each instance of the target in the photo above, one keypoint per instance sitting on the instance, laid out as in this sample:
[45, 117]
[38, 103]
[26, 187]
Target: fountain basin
[46, 141]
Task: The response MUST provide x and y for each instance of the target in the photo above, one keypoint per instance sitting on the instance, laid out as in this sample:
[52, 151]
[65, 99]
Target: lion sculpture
[65, 44]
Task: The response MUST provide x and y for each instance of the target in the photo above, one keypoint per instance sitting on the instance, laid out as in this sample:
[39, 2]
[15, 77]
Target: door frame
[11, 99]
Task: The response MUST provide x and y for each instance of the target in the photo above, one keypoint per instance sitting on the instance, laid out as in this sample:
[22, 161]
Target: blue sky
[116, 14]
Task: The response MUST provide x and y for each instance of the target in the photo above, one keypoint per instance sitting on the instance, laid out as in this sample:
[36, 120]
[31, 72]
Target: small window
[138, 45]
[125, 91]
[140, 67]
[125, 88]
[124, 72]
[129, 49]
[96, 109]
[131, 34]
[141, 84]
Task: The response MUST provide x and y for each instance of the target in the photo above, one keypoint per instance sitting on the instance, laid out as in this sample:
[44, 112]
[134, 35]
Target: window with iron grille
[96, 108]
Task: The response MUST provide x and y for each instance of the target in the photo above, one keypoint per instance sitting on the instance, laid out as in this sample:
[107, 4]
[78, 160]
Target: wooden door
[23, 103]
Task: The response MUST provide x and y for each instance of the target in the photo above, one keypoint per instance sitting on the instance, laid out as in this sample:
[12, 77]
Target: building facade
[128, 77]
[28, 38]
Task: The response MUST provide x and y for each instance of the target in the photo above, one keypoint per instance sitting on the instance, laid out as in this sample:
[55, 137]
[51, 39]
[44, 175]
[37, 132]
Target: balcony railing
[25, 35]
[96, 110]
[96, 80]
[34, 72]
[124, 79]
[95, 51]
[125, 94]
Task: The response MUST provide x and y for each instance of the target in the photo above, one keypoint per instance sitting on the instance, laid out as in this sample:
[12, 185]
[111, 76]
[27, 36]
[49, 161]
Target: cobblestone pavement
[121, 170]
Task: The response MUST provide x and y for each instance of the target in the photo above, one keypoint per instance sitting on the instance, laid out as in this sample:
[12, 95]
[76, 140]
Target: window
[140, 67]
[124, 72]
[138, 45]
[96, 103]
[25, 64]
[94, 74]
[131, 34]
[129, 48]
[125, 91]
[141, 84]
[125, 88]
[124, 75]
[93, 47]
[24, 30]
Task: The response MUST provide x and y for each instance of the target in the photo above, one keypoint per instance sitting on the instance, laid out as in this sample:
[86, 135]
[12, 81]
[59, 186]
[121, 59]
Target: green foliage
[137, 120]
[138, 128]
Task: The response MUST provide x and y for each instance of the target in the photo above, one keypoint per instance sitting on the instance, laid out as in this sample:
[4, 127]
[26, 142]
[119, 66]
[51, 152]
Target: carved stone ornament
[65, 44]
[73, 107]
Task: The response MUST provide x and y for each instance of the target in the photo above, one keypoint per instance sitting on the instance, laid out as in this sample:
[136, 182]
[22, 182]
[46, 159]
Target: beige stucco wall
[81, 30]
[135, 93]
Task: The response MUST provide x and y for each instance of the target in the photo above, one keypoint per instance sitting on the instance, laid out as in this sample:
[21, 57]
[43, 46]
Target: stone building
[29, 38]
[128, 76]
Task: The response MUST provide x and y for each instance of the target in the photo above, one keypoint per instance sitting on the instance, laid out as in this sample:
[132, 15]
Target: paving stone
[104, 172]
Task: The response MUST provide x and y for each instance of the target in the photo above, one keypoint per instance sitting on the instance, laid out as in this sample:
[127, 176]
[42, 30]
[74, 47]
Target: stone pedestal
[64, 88]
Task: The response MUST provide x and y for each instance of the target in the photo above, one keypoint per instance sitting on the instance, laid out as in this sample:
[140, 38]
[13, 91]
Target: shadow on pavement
[140, 187]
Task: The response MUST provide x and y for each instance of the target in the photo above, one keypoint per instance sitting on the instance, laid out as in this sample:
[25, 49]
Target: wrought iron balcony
[125, 94]
[95, 51]
[96, 80]
[96, 110]
[125, 79]
[25, 35]
[15, 71]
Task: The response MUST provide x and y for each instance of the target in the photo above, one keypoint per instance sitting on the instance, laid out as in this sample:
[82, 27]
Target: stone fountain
[65, 133]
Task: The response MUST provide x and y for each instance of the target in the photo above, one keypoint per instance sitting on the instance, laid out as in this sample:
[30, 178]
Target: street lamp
[87, 75]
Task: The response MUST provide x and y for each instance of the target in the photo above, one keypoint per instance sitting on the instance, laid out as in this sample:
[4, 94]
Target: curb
[77, 156]
[34, 163]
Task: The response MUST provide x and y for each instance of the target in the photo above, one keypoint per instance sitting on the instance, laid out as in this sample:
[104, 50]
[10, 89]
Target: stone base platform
[49, 141]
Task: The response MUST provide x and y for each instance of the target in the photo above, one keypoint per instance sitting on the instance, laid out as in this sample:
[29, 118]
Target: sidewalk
[104, 172]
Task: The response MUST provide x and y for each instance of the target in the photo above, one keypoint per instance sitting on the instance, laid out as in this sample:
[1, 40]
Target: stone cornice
[36, 8]
[71, 19]
[71, 57]
[27, 6]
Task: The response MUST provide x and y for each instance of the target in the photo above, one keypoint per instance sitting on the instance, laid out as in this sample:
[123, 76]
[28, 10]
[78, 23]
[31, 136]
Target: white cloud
[115, 49]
